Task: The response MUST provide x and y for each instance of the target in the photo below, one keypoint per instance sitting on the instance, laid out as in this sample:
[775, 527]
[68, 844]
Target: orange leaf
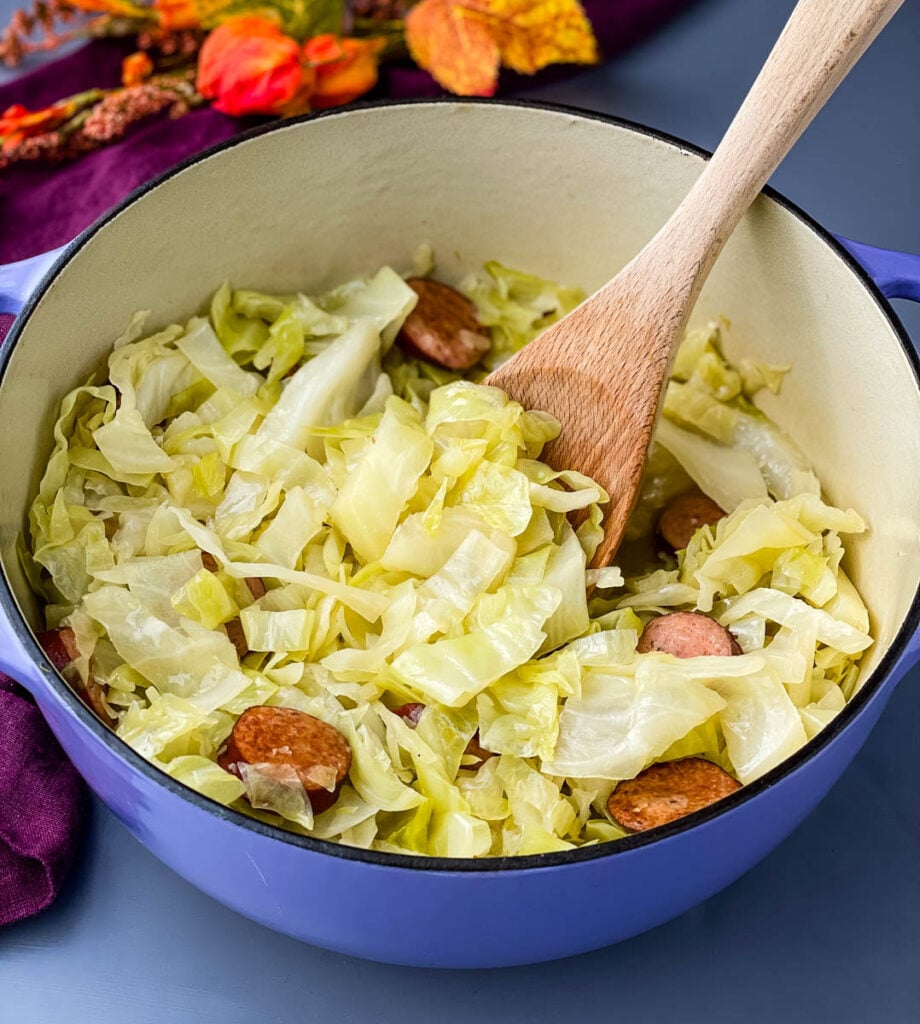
[324, 49]
[135, 68]
[345, 68]
[18, 122]
[460, 51]
[533, 33]
[462, 42]
[176, 15]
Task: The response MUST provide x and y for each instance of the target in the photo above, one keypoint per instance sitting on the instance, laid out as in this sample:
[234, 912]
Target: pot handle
[15, 663]
[897, 274]
[19, 280]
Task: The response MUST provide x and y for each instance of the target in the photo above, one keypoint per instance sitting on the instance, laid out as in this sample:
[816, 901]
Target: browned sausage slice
[667, 791]
[61, 647]
[412, 712]
[237, 636]
[685, 515]
[443, 327]
[475, 749]
[209, 561]
[317, 751]
[687, 635]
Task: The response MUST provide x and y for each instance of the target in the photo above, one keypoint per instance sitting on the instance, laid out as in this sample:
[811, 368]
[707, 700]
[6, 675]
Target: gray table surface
[827, 928]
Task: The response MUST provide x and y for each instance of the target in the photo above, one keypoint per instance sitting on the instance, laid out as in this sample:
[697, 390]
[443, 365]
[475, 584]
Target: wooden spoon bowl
[601, 370]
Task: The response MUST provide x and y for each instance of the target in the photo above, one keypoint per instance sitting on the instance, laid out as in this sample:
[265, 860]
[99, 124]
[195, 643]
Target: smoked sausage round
[317, 751]
[667, 791]
[443, 328]
[685, 515]
[687, 635]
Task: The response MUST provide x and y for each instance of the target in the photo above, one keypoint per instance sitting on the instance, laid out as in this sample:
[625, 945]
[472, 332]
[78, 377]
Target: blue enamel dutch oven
[304, 204]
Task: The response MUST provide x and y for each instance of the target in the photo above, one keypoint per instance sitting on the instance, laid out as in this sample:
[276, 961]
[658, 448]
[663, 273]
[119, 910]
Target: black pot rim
[789, 766]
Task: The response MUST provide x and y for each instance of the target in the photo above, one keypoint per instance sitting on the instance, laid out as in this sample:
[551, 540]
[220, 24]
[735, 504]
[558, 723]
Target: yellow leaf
[462, 42]
[459, 50]
[533, 33]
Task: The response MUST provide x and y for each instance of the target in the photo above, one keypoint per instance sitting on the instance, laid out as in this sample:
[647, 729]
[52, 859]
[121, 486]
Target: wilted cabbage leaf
[377, 531]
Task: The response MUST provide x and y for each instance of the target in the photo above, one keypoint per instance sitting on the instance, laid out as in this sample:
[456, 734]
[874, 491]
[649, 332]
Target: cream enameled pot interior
[313, 203]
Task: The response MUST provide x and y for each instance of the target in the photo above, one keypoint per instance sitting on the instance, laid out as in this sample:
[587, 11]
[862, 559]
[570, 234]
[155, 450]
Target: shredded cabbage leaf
[376, 530]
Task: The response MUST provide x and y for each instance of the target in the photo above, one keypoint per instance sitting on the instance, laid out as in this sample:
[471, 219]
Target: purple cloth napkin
[41, 796]
[42, 806]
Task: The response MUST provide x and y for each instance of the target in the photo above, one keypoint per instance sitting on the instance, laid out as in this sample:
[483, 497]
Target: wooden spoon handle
[602, 370]
[821, 42]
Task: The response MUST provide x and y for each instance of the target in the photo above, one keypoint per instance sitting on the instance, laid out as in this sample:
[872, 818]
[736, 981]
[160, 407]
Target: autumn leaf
[344, 69]
[462, 42]
[18, 123]
[459, 51]
[177, 15]
[531, 35]
[136, 68]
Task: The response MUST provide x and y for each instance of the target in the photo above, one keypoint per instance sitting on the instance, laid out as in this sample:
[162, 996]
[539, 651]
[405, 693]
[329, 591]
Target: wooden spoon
[602, 369]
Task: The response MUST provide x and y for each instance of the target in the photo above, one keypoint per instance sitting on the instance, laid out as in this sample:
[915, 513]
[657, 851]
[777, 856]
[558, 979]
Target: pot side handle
[16, 664]
[19, 280]
[897, 274]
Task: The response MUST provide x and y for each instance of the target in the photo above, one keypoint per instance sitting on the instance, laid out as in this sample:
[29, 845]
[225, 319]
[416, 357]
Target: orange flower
[176, 15]
[18, 122]
[249, 66]
[345, 68]
[135, 68]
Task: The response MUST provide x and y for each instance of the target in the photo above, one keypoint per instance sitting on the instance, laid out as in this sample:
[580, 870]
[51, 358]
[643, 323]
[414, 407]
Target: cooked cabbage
[384, 532]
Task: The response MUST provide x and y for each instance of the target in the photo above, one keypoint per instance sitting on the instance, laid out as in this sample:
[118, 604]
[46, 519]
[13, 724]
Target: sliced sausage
[317, 751]
[237, 636]
[475, 749]
[685, 515]
[412, 712]
[443, 327]
[209, 561]
[687, 635]
[667, 791]
[61, 647]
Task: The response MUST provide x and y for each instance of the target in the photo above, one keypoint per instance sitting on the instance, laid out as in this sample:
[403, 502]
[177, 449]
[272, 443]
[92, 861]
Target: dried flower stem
[104, 116]
[39, 21]
[169, 45]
